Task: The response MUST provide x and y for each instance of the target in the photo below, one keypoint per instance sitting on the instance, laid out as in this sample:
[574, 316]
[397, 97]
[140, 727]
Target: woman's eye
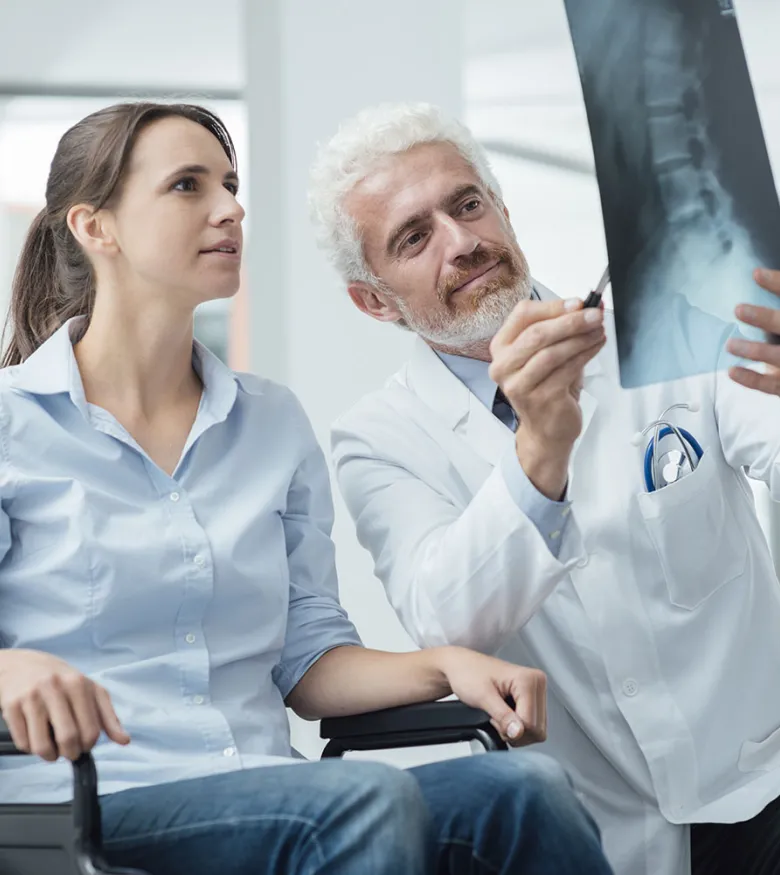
[188, 183]
[232, 187]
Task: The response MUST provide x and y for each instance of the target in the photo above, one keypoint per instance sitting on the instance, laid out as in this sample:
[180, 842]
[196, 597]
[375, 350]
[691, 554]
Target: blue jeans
[507, 813]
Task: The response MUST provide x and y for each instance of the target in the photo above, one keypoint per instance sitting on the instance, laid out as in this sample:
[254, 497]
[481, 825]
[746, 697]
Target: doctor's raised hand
[766, 353]
[538, 358]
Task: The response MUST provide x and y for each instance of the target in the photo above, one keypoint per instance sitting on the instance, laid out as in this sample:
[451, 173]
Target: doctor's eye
[414, 239]
[472, 205]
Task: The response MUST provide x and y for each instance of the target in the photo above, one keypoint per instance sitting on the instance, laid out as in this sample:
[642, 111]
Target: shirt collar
[473, 373]
[52, 370]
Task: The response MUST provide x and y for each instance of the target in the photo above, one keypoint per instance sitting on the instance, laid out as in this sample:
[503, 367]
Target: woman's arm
[354, 680]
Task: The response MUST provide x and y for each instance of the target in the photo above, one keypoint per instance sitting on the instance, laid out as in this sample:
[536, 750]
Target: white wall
[309, 66]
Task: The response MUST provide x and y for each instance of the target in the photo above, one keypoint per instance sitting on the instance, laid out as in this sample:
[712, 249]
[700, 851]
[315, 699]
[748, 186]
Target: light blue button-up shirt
[198, 600]
[549, 517]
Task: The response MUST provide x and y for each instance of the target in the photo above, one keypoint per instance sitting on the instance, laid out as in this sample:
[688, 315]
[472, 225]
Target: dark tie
[503, 410]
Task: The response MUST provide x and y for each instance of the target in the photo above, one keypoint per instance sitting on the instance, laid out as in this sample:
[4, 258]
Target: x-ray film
[687, 194]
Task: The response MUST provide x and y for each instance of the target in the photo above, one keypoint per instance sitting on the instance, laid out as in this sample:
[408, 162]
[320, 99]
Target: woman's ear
[91, 229]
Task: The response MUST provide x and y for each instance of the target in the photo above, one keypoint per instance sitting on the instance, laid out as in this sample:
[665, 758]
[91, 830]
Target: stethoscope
[663, 468]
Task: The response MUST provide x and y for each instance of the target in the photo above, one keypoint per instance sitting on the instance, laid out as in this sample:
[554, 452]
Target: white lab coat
[659, 623]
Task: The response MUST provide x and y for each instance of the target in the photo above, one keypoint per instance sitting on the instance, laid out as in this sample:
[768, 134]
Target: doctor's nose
[461, 242]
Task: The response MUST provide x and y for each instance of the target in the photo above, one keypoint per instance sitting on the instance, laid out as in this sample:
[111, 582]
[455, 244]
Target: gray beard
[465, 329]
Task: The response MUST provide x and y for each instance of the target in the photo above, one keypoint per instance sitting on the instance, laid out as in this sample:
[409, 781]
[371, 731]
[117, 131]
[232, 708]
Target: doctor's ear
[373, 302]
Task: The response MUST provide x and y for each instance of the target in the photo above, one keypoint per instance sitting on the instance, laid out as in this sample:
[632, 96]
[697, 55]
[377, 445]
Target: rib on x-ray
[687, 194]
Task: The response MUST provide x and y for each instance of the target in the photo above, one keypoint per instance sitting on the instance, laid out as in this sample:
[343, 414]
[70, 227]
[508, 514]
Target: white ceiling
[191, 45]
[198, 44]
[521, 81]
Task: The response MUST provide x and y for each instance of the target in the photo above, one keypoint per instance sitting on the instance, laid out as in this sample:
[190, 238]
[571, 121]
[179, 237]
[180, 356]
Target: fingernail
[513, 730]
[593, 315]
[571, 304]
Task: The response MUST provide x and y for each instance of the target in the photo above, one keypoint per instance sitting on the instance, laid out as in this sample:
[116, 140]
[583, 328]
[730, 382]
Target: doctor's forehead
[420, 178]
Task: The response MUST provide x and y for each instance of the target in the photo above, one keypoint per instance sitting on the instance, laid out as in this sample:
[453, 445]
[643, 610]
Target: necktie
[503, 410]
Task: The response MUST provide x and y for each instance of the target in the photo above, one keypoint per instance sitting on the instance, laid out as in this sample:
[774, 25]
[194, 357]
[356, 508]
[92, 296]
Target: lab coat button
[583, 562]
[630, 687]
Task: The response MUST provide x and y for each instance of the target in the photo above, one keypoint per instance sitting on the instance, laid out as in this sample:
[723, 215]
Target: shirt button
[583, 562]
[555, 535]
[189, 638]
[566, 511]
[229, 752]
[198, 700]
[199, 561]
[174, 496]
[630, 687]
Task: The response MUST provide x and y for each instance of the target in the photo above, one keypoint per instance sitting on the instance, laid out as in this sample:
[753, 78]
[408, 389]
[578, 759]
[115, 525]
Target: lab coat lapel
[439, 389]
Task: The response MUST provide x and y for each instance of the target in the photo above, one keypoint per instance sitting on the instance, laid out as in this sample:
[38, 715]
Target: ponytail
[52, 283]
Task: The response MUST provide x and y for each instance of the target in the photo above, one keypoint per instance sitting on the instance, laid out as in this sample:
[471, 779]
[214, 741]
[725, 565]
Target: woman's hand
[487, 683]
[51, 709]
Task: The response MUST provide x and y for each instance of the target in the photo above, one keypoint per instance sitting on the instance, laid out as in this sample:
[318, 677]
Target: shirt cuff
[549, 517]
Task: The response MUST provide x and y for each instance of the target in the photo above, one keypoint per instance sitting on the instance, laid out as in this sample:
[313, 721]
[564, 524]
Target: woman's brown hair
[54, 278]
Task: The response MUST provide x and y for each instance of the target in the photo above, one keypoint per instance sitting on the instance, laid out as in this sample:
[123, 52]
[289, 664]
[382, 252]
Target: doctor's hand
[487, 683]
[51, 708]
[538, 358]
[767, 353]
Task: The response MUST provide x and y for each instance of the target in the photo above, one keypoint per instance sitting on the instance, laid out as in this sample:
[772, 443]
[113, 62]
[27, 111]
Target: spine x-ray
[688, 199]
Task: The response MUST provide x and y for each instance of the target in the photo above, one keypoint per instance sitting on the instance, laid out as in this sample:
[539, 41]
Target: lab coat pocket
[760, 756]
[695, 533]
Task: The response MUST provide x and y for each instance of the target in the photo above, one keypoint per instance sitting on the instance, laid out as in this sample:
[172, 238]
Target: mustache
[467, 264]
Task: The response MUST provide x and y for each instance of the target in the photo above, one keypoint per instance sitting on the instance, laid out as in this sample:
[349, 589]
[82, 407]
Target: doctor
[519, 522]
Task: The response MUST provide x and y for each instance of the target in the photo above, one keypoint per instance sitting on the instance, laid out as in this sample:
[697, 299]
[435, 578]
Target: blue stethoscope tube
[665, 432]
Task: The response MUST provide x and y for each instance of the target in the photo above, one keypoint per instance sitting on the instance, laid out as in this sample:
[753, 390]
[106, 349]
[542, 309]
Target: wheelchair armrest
[85, 810]
[408, 726]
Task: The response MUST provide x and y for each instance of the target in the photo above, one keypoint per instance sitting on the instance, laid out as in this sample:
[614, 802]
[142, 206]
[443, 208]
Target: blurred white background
[282, 73]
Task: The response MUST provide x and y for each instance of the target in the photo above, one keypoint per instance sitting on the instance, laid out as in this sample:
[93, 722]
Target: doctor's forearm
[355, 680]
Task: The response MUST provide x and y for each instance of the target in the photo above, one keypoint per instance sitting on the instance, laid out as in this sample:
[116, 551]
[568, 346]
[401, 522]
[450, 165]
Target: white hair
[355, 150]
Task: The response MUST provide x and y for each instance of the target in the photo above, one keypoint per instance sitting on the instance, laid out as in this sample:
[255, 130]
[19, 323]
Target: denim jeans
[507, 813]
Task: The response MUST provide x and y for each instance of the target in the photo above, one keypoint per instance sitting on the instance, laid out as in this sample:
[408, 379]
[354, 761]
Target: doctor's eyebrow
[446, 204]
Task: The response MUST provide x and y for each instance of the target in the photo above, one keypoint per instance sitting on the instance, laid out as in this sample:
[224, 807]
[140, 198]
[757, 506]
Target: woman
[165, 534]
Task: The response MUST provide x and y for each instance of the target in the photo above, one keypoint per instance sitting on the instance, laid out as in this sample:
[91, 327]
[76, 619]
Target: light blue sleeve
[316, 622]
[549, 517]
